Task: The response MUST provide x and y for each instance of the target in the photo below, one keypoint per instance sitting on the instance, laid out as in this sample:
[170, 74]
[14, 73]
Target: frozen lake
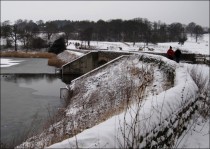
[26, 65]
[29, 88]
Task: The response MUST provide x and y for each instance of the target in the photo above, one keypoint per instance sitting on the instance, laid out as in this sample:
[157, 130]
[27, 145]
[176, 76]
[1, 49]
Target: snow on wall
[69, 56]
[117, 132]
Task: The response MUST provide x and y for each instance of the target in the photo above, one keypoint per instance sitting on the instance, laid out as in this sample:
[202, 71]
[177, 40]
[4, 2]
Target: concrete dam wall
[89, 62]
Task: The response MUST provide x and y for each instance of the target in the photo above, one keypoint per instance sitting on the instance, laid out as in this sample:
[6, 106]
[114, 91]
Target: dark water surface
[27, 96]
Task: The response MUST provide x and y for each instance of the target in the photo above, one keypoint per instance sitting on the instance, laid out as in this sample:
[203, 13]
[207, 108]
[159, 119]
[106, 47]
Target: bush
[182, 40]
[58, 46]
[38, 43]
[21, 54]
[8, 43]
[54, 61]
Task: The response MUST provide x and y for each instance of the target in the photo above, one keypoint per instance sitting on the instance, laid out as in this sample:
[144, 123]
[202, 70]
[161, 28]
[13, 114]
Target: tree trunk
[15, 38]
[67, 38]
[196, 38]
[49, 35]
[24, 43]
[15, 46]
[134, 43]
[27, 42]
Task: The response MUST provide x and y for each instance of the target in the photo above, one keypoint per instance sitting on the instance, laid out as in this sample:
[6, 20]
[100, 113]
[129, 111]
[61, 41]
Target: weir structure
[94, 59]
[89, 62]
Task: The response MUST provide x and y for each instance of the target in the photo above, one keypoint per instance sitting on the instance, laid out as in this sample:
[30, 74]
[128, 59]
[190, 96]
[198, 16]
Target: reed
[21, 54]
[55, 61]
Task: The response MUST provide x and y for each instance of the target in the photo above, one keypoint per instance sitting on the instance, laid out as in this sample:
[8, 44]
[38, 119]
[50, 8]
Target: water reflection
[28, 78]
[68, 78]
[25, 97]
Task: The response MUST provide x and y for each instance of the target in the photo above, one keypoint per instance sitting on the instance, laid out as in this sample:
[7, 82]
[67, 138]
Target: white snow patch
[69, 56]
[9, 62]
[197, 136]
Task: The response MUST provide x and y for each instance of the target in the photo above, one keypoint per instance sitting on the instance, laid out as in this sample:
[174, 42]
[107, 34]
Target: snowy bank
[158, 103]
[116, 132]
[69, 56]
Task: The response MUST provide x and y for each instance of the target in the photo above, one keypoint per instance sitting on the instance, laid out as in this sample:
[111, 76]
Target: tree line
[135, 30]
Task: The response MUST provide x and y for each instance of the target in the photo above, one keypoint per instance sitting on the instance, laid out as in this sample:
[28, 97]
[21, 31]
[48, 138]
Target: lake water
[28, 91]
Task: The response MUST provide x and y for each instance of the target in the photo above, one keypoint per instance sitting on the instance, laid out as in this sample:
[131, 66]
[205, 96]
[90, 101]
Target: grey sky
[165, 11]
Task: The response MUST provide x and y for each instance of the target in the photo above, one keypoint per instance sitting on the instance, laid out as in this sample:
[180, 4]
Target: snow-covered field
[190, 46]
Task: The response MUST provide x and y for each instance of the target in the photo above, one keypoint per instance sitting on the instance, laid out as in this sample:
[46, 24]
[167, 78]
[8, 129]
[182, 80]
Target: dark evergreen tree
[38, 43]
[58, 46]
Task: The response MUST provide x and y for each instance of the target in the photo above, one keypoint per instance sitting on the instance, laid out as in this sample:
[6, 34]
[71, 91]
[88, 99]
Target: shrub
[58, 46]
[38, 43]
[20, 54]
[54, 61]
[182, 40]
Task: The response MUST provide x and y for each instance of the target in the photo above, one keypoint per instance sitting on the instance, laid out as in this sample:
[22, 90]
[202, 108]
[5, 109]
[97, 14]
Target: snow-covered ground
[68, 55]
[190, 46]
[107, 134]
[197, 135]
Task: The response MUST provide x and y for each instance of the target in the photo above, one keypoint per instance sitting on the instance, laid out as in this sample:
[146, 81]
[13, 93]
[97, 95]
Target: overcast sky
[165, 11]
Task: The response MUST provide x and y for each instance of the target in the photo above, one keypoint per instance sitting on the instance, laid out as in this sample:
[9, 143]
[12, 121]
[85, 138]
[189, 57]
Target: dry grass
[53, 60]
[21, 54]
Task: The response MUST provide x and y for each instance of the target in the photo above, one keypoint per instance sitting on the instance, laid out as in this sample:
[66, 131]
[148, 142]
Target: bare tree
[5, 32]
[198, 32]
[67, 29]
[10, 32]
[27, 31]
[190, 28]
[86, 35]
[50, 28]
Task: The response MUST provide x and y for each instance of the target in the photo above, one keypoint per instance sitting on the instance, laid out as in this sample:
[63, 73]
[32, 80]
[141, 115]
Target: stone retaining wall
[164, 137]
